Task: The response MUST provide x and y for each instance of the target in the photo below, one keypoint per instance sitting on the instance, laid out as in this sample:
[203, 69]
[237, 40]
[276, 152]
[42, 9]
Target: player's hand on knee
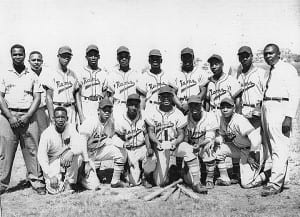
[66, 159]
[150, 152]
[253, 162]
[54, 182]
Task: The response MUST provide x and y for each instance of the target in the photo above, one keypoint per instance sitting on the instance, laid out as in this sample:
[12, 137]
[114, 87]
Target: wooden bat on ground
[188, 192]
[161, 190]
[168, 194]
[176, 194]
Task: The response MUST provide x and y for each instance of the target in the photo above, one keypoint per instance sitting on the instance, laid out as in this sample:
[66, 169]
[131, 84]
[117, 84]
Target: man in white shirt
[278, 109]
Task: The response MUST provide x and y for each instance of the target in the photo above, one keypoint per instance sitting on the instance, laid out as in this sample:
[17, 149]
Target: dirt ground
[221, 201]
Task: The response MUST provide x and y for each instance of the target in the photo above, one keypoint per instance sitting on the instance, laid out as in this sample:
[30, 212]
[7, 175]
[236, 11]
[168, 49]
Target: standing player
[20, 96]
[92, 81]
[130, 133]
[36, 60]
[153, 79]
[123, 79]
[98, 146]
[166, 125]
[62, 88]
[201, 133]
[279, 107]
[58, 152]
[191, 80]
[239, 139]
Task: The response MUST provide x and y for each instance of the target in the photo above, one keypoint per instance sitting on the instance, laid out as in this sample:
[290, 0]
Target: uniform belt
[18, 110]
[64, 104]
[134, 147]
[276, 99]
[250, 105]
[92, 98]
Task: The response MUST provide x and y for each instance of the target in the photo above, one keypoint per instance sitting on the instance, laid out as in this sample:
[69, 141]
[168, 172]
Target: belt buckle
[94, 98]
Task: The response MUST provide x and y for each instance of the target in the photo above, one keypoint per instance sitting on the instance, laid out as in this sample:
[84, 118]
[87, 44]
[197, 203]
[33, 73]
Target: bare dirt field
[221, 201]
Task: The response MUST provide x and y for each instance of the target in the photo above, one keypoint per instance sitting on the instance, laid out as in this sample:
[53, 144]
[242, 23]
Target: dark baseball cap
[194, 99]
[92, 47]
[65, 49]
[228, 100]
[155, 52]
[134, 97]
[244, 49]
[187, 50]
[122, 49]
[215, 56]
[165, 89]
[105, 102]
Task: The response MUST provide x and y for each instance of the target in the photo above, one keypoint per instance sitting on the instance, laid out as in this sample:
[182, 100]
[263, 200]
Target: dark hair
[274, 46]
[35, 52]
[59, 108]
[17, 46]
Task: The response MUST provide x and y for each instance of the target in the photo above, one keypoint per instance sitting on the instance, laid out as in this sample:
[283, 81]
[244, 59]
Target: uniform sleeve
[42, 154]
[292, 84]
[181, 120]
[244, 126]
[149, 117]
[86, 128]
[47, 80]
[77, 142]
[212, 126]
[263, 77]
[235, 86]
[141, 85]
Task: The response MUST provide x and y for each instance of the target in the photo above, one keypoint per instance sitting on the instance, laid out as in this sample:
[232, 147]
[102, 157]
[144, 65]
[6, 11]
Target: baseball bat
[168, 194]
[161, 190]
[176, 194]
[188, 192]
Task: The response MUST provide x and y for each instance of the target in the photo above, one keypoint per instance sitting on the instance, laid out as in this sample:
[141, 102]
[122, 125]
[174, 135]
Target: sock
[210, 170]
[235, 168]
[194, 170]
[223, 171]
[118, 169]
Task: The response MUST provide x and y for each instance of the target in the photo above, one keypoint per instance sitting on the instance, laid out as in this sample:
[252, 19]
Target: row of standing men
[254, 90]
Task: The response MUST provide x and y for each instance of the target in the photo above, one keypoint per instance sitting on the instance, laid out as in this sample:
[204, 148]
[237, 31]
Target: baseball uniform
[64, 85]
[239, 138]
[18, 91]
[280, 100]
[92, 84]
[99, 147]
[52, 146]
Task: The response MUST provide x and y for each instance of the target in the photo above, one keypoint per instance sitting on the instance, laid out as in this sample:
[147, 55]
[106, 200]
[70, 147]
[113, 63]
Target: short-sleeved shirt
[63, 84]
[205, 128]
[122, 83]
[226, 86]
[189, 83]
[236, 131]
[92, 81]
[19, 88]
[165, 124]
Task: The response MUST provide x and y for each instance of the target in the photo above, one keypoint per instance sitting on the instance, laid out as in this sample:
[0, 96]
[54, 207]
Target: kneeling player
[240, 140]
[58, 152]
[98, 134]
[201, 132]
[166, 131]
[130, 134]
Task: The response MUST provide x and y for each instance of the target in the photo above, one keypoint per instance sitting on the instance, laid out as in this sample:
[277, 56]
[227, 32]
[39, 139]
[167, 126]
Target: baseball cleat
[199, 188]
[119, 184]
[221, 182]
[210, 185]
[269, 190]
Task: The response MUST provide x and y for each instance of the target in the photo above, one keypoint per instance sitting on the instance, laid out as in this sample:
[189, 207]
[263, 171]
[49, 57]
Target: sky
[218, 26]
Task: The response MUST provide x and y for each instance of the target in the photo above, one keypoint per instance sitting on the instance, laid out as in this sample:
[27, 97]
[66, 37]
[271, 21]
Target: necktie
[269, 78]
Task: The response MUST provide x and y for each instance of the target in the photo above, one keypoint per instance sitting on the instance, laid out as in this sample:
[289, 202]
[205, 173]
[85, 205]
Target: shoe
[69, 187]
[221, 182]
[119, 184]
[40, 190]
[199, 188]
[234, 181]
[146, 184]
[269, 190]
[210, 185]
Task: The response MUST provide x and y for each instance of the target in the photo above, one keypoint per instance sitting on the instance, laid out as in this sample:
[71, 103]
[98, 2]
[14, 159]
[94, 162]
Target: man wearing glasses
[62, 88]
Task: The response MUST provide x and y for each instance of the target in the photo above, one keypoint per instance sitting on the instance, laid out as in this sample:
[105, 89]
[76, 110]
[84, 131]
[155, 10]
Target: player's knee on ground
[185, 150]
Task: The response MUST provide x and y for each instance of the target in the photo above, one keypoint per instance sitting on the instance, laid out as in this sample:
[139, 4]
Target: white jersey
[92, 82]
[236, 131]
[150, 83]
[226, 86]
[189, 83]
[201, 130]
[63, 84]
[43, 93]
[122, 84]
[131, 130]
[165, 124]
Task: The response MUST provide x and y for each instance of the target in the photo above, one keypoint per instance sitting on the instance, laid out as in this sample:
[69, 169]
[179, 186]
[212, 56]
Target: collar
[24, 72]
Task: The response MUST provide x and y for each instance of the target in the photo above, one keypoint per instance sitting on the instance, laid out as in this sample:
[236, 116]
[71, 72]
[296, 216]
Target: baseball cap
[105, 102]
[244, 49]
[165, 89]
[92, 47]
[155, 52]
[134, 96]
[194, 99]
[122, 49]
[187, 50]
[215, 56]
[227, 100]
[65, 49]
